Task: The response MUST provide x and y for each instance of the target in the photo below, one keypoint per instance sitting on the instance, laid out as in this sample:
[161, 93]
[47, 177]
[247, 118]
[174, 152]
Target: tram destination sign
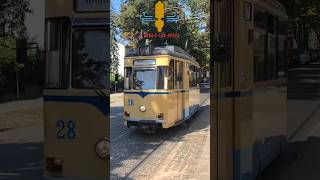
[91, 5]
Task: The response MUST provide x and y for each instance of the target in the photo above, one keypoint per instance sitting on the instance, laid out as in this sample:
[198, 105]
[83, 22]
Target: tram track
[138, 164]
[126, 132]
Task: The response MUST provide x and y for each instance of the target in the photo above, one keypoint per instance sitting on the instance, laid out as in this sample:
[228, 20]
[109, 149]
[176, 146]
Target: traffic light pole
[18, 87]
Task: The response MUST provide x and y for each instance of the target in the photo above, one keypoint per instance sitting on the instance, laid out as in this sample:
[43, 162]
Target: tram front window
[144, 79]
[89, 68]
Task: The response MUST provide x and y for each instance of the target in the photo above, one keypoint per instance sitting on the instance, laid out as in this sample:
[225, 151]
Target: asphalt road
[304, 82]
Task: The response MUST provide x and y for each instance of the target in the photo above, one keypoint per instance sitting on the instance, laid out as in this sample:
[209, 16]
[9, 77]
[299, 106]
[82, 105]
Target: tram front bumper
[143, 122]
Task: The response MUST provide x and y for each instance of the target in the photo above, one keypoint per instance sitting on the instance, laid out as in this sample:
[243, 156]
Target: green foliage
[8, 55]
[14, 16]
[113, 79]
[304, 18]
[193, 25]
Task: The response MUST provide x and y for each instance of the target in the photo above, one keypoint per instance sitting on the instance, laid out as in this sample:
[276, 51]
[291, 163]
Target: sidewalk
[116, 97]
[20, 114]
[32, 134]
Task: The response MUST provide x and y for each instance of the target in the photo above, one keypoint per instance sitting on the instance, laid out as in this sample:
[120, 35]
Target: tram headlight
[102, 148]
[142, 108]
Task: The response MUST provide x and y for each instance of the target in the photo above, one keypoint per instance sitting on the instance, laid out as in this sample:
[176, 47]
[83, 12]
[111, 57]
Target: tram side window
[282, 54]
[193, 76]
[198, 81]
[260, 24]
[128, 79]
[178, 75]
[272, 40]
[171, 75]
[90, 52]
[190, 76]
[57, 53]
[162, 82]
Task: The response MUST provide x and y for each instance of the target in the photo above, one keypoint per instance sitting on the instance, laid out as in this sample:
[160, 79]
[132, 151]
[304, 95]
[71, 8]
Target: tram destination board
[91, 5]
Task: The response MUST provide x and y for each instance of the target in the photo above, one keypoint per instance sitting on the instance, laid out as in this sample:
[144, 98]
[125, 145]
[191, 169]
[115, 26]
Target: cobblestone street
[181, 157]
[181, 152]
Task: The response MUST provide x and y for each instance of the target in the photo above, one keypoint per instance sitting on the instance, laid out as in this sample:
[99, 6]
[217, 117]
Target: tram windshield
[144, 79]
[89, 64]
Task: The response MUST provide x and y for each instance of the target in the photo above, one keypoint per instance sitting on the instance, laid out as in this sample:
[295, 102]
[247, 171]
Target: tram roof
[170, 50]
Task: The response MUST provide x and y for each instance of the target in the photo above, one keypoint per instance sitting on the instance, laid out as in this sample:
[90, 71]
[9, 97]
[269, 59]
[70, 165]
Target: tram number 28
[66, 130]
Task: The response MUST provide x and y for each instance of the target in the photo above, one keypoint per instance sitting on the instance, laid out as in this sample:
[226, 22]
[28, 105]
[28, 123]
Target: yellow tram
[249, 88]
[161, 86]
[76, 97]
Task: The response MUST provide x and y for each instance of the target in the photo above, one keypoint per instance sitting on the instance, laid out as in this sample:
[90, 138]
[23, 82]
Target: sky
[116, 5]
[121, 58]
[35, 22]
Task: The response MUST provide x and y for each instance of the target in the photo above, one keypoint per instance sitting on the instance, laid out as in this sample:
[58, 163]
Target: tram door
[223, 88]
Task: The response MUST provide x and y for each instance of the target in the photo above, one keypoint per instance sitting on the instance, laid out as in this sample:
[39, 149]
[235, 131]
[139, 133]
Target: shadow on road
[21, 161]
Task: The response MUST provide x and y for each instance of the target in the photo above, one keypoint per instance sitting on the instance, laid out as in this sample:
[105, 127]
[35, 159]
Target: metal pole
[17, 82]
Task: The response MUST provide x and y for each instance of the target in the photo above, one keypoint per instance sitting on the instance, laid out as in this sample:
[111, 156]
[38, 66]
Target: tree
[12, 18]
[114, 44]
[304, 19]
[193, 25]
